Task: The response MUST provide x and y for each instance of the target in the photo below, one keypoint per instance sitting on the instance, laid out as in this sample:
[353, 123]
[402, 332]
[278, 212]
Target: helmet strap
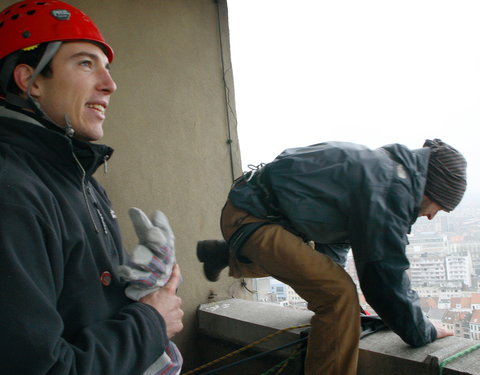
[30, 102]
[50, 51]
[7, 71]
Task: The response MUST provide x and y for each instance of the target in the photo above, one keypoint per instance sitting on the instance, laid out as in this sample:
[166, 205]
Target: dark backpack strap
[242, 234]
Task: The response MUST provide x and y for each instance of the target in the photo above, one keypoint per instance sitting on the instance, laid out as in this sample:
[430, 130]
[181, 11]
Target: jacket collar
[17, 115]
[416, 163]
[27, 132]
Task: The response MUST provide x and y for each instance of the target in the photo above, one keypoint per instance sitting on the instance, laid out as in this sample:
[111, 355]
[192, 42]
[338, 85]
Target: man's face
[429, 208]
[80, 87]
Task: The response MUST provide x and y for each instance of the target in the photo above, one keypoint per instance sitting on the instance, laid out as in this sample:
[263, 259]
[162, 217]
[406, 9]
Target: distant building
[450, 289]
[467, 246]
[422, 225]
[475, 325]
[426, 269]
[475, 283]
[428, 303]
[459, 268]
[446, 224]
[279, 289]
[285, 294]
[443, 290]
[458, 322]
[432, 243]
[444, 303]
[449, 319]
[462, 325]
[460, 304]
[475, 301]
[436, 315]
[264, 290]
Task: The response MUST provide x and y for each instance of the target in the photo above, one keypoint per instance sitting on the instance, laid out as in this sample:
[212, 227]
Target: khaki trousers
[327, 288]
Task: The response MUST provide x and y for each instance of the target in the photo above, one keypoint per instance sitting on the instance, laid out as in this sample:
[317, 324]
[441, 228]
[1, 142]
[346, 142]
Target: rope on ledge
[251, 345]
[456, 356]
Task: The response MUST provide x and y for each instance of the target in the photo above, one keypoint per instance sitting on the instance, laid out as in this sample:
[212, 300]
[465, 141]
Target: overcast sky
[370, 72]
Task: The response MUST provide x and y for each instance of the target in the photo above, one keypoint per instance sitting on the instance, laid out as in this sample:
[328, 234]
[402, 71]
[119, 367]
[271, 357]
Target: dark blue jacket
[343, 195]
[63, 308]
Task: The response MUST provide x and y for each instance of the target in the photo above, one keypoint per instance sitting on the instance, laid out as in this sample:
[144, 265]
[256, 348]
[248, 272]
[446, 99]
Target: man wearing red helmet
[63, 304]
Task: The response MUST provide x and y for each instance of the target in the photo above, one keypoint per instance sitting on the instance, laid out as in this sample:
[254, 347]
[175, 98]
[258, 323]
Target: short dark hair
[31, 58]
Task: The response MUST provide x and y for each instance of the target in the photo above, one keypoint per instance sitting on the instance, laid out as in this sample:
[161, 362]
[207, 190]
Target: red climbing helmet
[31, 22]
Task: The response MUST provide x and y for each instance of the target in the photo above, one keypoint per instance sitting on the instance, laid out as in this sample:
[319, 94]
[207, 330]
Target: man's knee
[348, 286]
[342, 295]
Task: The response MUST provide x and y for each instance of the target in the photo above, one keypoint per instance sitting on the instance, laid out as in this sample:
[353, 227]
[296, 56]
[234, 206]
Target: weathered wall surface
[170, 123]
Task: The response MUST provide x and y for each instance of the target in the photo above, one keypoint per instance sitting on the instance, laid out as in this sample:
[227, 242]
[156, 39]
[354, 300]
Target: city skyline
[444, 256]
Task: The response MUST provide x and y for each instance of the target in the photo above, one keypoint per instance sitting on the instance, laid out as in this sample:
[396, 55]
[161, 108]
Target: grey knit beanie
[446, 176]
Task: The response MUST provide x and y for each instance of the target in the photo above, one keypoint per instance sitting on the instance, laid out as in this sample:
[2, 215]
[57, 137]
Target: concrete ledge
[242, 322]
[385, 350]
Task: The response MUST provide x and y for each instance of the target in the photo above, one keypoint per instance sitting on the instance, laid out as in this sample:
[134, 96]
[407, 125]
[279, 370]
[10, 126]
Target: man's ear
[22, 75]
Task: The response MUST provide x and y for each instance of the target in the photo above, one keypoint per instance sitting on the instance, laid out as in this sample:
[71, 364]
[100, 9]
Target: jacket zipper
[84, 192]
[97, 208]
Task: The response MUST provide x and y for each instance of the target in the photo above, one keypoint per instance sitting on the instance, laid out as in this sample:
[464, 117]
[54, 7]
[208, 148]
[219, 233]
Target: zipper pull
[69, 131]
[105, 164]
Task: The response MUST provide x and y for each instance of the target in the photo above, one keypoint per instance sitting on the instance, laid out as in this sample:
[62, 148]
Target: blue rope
[254, 357]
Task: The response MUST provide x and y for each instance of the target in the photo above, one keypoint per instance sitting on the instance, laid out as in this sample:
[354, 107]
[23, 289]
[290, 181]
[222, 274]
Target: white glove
[152, 260]
[155, 234]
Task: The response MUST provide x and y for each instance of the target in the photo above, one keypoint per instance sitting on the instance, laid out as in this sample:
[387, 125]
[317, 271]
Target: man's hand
[167, 303]
[442, 332]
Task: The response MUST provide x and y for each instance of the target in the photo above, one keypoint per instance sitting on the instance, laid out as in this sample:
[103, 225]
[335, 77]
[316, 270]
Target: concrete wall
[170, 123]
[235, 324]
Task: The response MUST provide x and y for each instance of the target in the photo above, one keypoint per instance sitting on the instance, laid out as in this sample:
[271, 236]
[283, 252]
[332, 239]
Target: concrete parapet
[241, 322]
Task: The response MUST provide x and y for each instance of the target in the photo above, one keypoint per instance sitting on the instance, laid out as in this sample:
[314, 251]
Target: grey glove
[152, 260]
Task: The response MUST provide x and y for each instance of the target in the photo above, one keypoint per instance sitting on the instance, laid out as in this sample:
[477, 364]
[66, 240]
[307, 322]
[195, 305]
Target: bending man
[339, 196]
